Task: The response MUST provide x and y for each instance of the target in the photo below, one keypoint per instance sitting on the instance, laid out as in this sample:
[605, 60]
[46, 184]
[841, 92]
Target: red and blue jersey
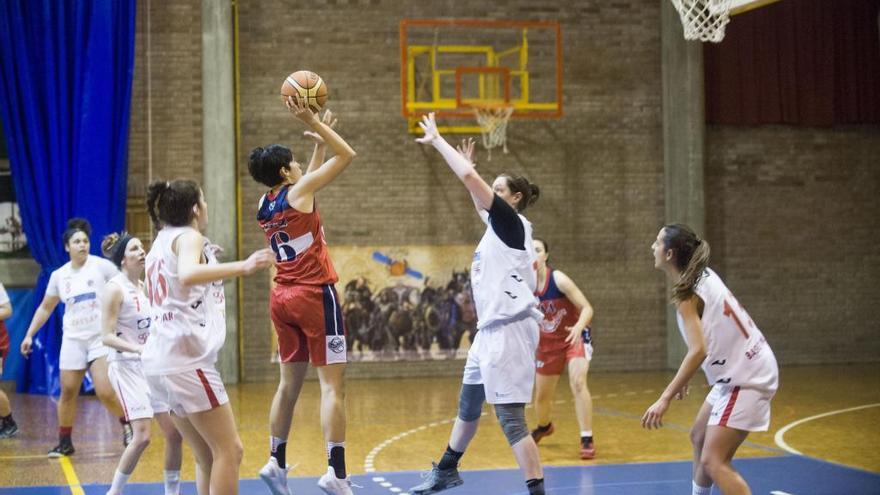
[297, 238]
[559, 311]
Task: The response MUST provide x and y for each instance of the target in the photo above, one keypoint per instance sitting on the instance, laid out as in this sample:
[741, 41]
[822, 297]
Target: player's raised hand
[299, 109]
[466, 149]
[429, 126]
[329, 119]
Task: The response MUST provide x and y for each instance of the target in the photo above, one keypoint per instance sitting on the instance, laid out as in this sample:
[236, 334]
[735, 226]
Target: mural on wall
[405, 303]
[13, 243]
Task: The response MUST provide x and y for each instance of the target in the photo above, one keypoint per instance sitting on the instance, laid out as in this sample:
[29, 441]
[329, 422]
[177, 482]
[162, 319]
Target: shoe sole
[447, 487]
[54, 455]
[268, 480]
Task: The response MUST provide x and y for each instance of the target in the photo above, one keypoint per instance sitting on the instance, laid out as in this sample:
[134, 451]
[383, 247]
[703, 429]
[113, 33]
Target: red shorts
[308, 320]
[553, 352]
[4, 344]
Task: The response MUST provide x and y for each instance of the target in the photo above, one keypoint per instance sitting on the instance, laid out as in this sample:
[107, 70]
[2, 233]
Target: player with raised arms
[126, 316]
[736, 358]
[185, 286]
[500, 367]
[304, 305]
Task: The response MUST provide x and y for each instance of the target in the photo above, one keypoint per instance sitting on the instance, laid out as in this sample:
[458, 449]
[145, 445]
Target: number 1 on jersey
[730, 312]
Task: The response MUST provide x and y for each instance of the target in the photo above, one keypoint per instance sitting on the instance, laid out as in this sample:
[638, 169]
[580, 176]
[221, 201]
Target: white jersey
[80, 291]
[133, 322]
[503, 278]
[737, 354]
[189, 322]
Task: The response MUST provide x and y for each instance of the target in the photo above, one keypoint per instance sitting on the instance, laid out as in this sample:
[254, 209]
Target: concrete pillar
[218, 150]
[683, 142]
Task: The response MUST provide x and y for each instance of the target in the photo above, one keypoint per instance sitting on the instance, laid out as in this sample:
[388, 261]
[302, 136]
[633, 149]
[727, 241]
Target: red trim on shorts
[121, 399]
[729, 409]
[212, 399]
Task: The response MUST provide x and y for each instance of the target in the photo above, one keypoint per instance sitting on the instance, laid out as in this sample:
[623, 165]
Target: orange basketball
[305, 84]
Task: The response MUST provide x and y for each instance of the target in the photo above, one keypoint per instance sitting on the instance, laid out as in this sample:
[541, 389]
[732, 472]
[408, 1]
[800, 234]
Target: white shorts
[746, 409]
[189, 392]
[131, 387]
[77, 354]
[502, 359]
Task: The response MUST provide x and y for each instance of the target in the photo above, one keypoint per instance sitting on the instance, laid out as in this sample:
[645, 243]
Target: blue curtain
[65, 93]
[17, 324]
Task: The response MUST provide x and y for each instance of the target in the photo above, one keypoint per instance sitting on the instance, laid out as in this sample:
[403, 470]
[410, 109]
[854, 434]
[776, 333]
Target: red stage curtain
[799, 62]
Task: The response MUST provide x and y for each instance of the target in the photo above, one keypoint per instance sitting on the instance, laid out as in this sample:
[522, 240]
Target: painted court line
[70, 476]
[780, 441]
[369, 460]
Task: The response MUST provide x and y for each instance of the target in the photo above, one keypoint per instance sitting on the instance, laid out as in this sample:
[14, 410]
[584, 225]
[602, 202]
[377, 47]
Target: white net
[703, 20]
[493, 126]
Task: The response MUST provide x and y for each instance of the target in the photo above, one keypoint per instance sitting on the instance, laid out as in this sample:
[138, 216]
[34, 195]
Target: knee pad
[470, 402]
[512, 418]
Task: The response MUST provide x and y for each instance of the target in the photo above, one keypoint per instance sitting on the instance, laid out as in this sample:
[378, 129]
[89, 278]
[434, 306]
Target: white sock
[274, 442]
[119, 481]
[586, 433]
[699, 490]
[172, 482]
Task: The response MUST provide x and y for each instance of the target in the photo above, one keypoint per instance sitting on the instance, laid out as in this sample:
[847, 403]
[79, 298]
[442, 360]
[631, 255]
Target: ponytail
[691, 258]
[113, 247]
[530, 192]
[171, 202]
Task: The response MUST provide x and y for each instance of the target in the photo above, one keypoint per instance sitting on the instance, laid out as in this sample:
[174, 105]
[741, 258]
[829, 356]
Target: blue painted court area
[786, 475]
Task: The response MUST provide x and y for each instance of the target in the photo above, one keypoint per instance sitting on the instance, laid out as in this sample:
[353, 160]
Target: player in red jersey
[304, 305]
[565, 337]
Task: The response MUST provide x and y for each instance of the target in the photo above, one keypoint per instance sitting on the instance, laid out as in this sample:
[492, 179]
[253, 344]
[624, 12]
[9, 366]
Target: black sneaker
[64, 448]
[127, 434]
[8, 430]
[437, 480]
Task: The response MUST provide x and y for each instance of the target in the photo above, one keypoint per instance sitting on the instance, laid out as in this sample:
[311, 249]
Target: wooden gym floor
[402, 425]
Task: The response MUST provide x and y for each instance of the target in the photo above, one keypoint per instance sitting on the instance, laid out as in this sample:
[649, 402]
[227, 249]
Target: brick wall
[600, 168]
[792, 221]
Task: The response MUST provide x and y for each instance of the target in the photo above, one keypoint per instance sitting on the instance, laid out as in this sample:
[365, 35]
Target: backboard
[452, 66]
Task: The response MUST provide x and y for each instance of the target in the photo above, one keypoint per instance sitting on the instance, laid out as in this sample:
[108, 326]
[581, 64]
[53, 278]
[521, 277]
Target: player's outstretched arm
[192, 271]
[461, 166]
[344, 154]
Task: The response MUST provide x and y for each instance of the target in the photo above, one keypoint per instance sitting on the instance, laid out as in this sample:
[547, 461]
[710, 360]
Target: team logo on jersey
[719, 362]
[336, 345]
[143, 323]
[272, 205]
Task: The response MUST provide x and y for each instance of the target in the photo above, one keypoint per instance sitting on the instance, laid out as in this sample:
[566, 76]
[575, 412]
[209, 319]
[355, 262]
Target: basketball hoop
[703, 20]
[493, 125]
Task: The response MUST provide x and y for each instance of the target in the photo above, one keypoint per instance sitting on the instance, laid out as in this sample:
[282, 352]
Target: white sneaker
[333, 485]
[275, 477]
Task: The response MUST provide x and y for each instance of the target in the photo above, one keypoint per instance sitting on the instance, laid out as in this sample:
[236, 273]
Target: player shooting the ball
[304, 305]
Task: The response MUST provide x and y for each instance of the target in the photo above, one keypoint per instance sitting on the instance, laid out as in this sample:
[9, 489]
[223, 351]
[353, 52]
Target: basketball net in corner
[703, 20]
[493, 125]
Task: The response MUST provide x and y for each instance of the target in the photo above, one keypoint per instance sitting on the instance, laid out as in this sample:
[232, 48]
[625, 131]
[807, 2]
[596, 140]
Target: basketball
[306, 84]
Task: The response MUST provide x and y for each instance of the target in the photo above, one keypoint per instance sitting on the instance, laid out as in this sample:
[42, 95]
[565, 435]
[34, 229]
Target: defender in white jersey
[185, 286]
[734, 355]
[126, 316]
[500, 367]
[78, 284]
